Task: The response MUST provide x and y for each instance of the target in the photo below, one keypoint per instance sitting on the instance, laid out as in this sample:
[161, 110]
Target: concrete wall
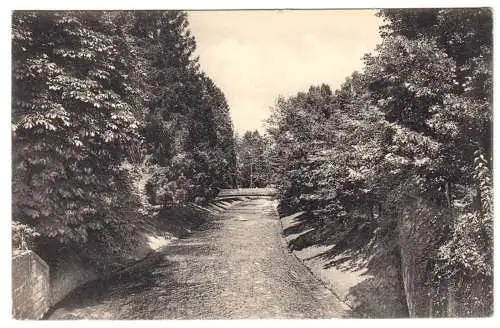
[30, 286]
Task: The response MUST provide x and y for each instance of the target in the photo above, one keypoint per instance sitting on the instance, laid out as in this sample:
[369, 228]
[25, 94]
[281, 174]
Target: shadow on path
[351, 249]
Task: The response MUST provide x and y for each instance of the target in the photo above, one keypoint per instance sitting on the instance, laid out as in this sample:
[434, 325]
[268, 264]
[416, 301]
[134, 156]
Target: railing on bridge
[226, 193]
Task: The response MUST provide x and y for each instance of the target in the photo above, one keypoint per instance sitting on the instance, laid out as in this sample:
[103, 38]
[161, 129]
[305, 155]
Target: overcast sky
[254, 56]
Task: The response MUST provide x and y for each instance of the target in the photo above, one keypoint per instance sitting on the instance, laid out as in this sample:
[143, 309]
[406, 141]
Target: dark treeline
[111, 116]
[396, 164]
[253, 157]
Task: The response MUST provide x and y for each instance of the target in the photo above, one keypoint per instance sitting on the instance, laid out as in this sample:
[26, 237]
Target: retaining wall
[30, 286]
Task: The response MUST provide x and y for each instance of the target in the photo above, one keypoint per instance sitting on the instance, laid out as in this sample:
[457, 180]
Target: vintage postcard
[252, 164]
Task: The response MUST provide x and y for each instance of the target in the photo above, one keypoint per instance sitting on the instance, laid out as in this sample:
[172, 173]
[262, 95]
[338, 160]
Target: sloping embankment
[384, 275]
[168, 226]
[67, 271]
[371, 292]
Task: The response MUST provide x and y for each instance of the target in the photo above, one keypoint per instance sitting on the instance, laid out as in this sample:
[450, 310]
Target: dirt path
[235, 268]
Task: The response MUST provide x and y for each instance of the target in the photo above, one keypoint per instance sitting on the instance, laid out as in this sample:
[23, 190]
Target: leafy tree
[188, 129]
[111, 115]
[297, 128]
[71, 127]
[459, 121]
[254, 170]
[406, 142]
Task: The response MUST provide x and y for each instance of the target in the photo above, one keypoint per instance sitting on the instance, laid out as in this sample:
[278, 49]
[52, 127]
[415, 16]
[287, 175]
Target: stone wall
[35, 288]
[30, 286]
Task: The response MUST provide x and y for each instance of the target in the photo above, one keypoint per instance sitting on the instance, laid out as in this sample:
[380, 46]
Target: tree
[297, 128]
[459, 120]
[253, 165]
[71, 126]
[405, 143]
[111, 115]
[188, 129]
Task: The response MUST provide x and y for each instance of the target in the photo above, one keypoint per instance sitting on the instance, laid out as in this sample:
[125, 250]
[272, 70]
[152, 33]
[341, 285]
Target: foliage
[71, 127]
[188, 130]
[411, 133]
[460, 121]
[253, 154]
[297, 128]
[22, 236]
[102, 103]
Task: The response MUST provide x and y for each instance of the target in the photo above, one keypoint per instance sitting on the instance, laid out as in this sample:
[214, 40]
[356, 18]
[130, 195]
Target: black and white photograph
[193, 164]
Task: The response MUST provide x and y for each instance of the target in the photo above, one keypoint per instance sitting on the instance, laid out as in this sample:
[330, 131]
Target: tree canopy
[98, 96]
[411, 132]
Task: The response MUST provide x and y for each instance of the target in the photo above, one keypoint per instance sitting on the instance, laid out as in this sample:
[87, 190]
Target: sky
[255, 56]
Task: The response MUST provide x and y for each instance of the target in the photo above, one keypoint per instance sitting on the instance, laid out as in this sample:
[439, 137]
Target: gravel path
[235, 268]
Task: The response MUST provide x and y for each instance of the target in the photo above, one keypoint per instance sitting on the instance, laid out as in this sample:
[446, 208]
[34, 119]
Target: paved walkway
[235, 268]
